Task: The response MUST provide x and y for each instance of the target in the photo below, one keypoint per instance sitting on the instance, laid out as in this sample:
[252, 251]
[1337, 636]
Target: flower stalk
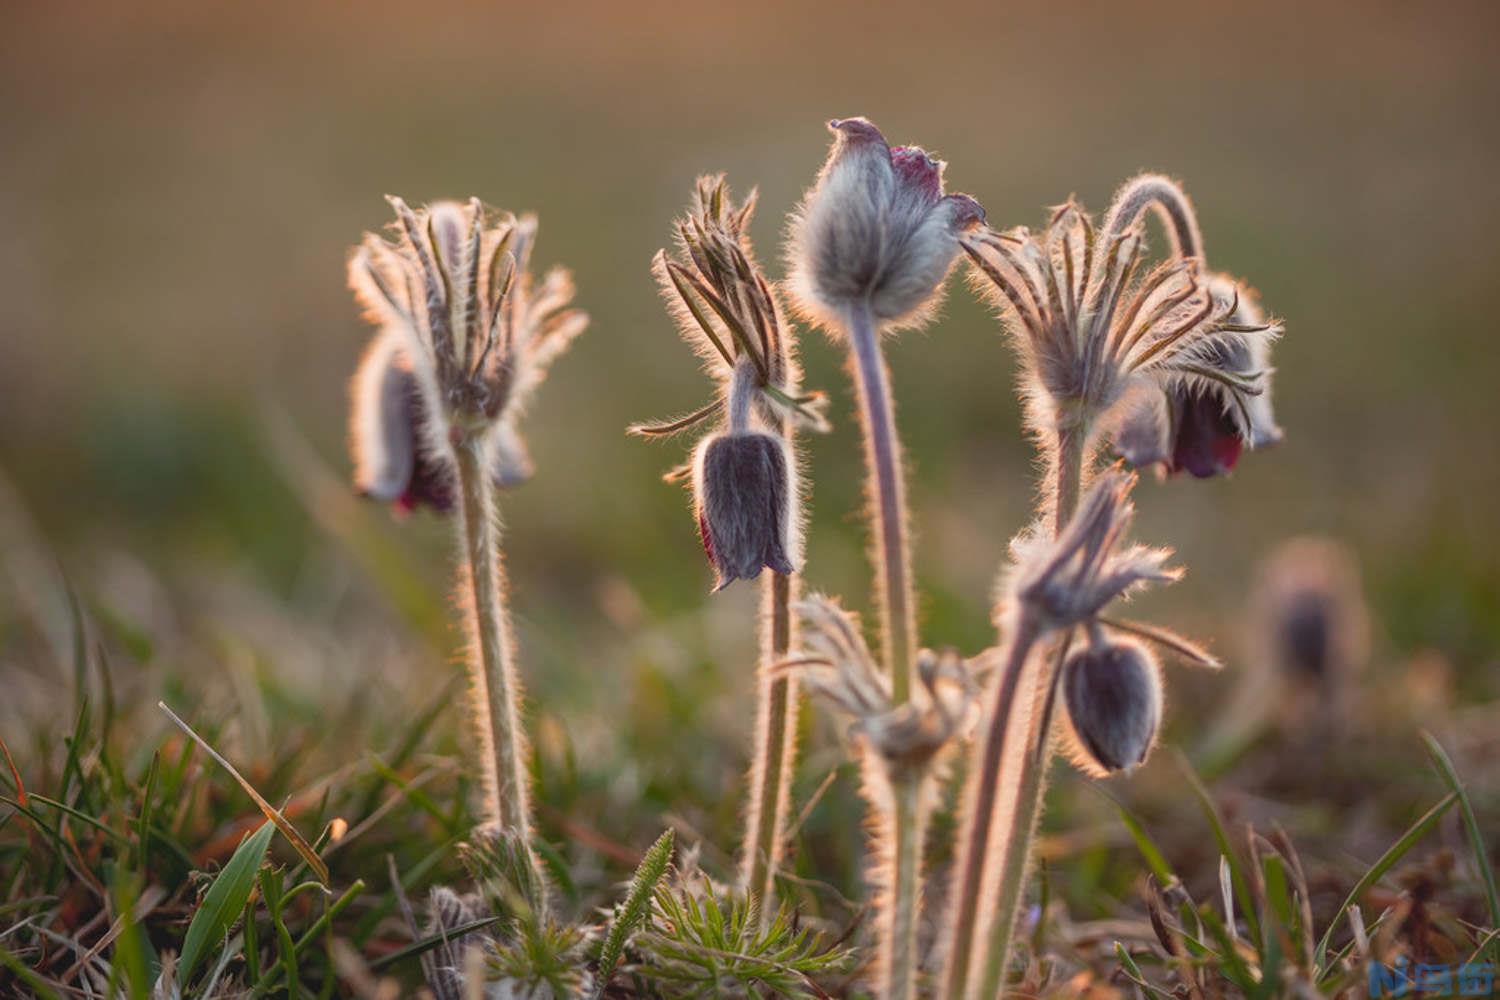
[887, 493]
[892, 559]
[492, 672]
[466, 335]
[870, 248]
[775, 754]
[745, 482]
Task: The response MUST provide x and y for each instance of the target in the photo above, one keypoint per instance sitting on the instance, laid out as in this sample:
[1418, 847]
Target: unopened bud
[877, 229]
[1113, 694]
[743, 491]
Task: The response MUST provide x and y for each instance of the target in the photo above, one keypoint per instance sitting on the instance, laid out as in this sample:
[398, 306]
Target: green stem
[909, 832]
[491, 654]
[775, 750]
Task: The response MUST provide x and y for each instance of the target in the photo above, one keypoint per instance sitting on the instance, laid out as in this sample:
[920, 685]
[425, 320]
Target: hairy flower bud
[743, 490]
[1113, 694]
[876, 229]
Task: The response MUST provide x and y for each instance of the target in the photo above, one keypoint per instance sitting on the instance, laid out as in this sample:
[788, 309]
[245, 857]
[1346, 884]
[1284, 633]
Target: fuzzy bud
[876, 228]
[743, 493]
[1114, 699]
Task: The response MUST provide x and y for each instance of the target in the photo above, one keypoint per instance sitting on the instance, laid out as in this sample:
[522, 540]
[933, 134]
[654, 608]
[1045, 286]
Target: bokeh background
[179, 185]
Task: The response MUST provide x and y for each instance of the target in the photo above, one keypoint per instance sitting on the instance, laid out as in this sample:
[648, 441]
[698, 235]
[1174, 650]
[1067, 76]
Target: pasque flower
[1198, 424]
[388, 433]
[467, 333]
[743, 475]
[868, 249]
[1165, 364]
[1053, 586]
[876, 228]
[747, 489]
[741, 484]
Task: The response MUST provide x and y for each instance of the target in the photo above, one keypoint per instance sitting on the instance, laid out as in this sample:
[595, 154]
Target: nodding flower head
[744, 475]
[467, 333]
[876, 229]
[1098, 344]
[744, 500]
[1112, 690]
[1199, 424]
[837, 665]
[388, 434]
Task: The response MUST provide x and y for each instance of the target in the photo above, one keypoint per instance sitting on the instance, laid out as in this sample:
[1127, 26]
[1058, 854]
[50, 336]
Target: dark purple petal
[743, 506]
[1205, 440]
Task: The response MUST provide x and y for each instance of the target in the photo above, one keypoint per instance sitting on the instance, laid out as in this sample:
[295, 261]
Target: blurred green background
[180, 184]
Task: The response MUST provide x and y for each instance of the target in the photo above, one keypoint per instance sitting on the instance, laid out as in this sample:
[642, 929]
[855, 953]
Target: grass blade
[1226, 850]
[430, 942]
[1444, 764]
[272, 813]
[225, 899]
[1387, 860]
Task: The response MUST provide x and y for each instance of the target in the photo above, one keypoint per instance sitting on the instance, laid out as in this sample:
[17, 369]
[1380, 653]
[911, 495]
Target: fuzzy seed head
[1113, 694]
[876, 228]
[743, 491]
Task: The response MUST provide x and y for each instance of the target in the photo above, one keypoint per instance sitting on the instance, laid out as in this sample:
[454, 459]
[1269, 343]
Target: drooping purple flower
[396, 461]
[744, 497]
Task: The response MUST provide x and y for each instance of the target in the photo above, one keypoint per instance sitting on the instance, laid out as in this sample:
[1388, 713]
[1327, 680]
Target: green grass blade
[1387, 860]
[225, 899]
[271, 812]
[430, 942]
[1444, 764]
[1226, 850]
[635, 908]
[1134, 972]
[1155, 860]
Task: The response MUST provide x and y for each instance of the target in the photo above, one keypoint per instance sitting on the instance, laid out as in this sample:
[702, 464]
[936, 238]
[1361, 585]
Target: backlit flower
[467, 333]
[876, 230]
